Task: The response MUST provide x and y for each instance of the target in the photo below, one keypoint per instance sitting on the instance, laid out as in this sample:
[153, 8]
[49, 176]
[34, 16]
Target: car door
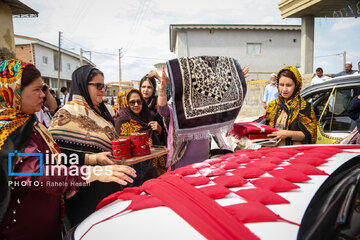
[335, 120]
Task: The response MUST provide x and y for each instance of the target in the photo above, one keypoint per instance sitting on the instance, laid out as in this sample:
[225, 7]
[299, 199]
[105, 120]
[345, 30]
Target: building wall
[278, 48]
[35, 53]
[25, 53]
[7, 45]
[68, 63]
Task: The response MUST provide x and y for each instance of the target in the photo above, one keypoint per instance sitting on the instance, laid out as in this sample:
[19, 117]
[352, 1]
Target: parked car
[335, 121]
[324, 206]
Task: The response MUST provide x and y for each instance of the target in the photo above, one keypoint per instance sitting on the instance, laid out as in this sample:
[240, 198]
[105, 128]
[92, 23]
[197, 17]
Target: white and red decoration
[249, 194]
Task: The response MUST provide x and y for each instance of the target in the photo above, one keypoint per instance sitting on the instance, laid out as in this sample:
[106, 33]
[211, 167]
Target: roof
[174, 28]
[19, 9]
[317, 8]
[24, 40]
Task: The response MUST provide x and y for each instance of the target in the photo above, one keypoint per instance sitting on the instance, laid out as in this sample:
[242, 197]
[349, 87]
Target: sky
[141, 29]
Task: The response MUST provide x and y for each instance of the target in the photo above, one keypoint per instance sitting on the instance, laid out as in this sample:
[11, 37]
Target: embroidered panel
[210, 85]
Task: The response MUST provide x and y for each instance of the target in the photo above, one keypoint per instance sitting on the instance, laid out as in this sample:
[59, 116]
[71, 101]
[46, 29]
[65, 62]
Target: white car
[304, 192]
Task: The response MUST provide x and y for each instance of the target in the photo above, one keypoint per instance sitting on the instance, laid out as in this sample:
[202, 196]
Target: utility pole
[81, 57]
[59, 64]
[120, 88]
[344, 60]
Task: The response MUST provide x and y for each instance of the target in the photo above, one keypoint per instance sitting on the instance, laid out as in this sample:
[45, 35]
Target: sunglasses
[132, 103]
[99, 86]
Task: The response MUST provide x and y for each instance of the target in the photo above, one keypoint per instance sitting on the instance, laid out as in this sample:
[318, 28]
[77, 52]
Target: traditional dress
[294, 114]
[31, 208]
[81, 128]
[129, 123]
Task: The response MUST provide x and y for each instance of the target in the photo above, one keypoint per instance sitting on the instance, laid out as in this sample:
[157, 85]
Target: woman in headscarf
[135, 117]
[148, 91]
[30, 198]
[291, 114]
[85, 126]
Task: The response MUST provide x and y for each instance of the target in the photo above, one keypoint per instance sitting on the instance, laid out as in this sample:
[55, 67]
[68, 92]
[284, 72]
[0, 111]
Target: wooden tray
[155, 152]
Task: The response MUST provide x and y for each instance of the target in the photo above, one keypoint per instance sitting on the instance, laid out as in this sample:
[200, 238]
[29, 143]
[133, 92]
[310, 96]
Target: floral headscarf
[301, 116]
[15, 126]
[11, 117]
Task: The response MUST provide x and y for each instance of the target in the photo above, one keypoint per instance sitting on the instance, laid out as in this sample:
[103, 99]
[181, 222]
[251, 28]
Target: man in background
[65, 92]
[348, 70]
[320, 77]
[358, 71]
[271, 91]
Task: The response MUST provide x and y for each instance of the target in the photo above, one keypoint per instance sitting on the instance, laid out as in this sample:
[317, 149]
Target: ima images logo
[17, 154]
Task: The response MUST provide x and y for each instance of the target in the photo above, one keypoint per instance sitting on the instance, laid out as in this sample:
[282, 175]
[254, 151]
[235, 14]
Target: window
[45, 60]
[68, 66]
[253, 48]
[53, 83]
[335, 116]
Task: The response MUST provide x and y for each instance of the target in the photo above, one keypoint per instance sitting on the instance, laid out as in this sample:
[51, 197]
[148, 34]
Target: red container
[121, 148]
[140, 144]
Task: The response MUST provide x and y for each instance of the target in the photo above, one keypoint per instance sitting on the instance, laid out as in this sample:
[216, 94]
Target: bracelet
[92, 159]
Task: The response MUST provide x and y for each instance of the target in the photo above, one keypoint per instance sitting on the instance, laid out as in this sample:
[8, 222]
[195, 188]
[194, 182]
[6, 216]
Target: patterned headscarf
[11, 117]
[301, 116]
[15, 125]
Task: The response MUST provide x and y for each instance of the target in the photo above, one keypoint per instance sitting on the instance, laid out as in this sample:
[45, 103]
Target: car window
[335, 116]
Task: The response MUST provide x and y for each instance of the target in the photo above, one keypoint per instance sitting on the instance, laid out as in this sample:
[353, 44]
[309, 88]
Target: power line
[337, 54]
[146, 57]
[353, 55]
[111, 54]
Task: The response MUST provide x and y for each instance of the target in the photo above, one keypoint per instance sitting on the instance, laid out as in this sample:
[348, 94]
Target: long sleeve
[354, 109]
[164, 111]
[266, 93]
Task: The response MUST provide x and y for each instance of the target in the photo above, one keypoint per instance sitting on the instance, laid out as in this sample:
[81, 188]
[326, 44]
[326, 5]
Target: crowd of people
[320, 77]
[33, 119]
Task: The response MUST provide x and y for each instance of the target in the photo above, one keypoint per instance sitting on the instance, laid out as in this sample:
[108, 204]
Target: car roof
[343, 81]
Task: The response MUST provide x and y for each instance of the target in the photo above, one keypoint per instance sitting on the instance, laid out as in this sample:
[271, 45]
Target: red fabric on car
[252, 212]
[230, 181]
[291, 175]
[215, 191]
[263, 196]
[274, 184]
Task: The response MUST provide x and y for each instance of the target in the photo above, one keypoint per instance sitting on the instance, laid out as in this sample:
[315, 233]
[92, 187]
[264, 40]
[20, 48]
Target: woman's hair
[131, 93]
[28, 75]
[151, 80]
[93, 73]
[289, 74]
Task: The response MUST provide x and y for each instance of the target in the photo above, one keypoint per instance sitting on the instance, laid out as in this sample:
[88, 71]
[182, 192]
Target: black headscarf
[80, 79]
